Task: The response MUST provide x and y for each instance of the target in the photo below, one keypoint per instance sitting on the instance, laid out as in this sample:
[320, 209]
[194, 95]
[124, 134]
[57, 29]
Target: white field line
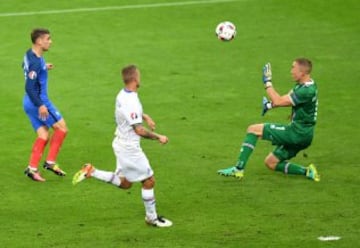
[107, 8]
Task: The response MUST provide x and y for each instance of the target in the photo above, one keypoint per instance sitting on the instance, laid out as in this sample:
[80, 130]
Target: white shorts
[131, 161]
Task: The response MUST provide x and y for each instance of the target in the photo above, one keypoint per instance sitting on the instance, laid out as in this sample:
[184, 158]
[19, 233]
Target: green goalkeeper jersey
[305, 102]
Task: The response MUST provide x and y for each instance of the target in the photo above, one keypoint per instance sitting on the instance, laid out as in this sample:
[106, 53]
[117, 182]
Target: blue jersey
[36, 76]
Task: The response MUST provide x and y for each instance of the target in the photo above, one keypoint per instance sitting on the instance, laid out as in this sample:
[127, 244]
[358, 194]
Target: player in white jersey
[132, 164]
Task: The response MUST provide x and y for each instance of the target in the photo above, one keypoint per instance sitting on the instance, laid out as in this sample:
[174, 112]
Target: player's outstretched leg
[54, 168]
[231, 172]
[247, 148]
[312, 173]
[159, 221]
[34, 174]
[82, 174]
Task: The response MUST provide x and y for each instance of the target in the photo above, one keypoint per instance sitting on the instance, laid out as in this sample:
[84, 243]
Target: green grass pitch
[202, 93]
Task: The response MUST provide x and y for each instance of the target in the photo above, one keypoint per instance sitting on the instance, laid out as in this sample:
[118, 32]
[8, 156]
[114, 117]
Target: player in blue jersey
[42, 113]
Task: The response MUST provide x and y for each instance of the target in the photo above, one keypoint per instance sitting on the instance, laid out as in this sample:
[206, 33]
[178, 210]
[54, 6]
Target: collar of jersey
[128, 91]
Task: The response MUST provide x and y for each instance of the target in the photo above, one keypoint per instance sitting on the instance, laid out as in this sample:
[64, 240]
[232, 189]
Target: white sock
[106, 176]
[149, 203]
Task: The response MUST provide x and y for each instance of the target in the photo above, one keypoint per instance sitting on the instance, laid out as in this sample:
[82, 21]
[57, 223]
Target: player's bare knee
[61, 128]
[149, 183]
[43, 134]
[64, 129]
[256, 129]
[250, 129]
[270, 162]
[60, 125]
[125, 184]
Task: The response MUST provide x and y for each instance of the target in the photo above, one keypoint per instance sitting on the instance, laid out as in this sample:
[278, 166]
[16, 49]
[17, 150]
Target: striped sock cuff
[286, 168]
[251, 146]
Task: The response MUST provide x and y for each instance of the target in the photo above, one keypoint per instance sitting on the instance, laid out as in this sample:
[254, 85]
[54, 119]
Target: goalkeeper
[291, 138]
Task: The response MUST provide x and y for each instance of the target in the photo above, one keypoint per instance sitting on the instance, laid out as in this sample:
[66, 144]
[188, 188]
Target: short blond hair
[304, 63]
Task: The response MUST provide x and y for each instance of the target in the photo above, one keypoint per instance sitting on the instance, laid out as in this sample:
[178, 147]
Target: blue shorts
[33, 113]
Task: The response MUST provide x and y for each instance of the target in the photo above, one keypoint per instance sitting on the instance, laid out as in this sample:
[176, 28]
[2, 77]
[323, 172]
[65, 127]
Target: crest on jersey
[32, 75]
[133, 116]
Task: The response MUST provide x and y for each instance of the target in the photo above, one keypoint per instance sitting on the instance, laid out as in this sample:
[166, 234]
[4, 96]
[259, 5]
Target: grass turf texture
[202, 93]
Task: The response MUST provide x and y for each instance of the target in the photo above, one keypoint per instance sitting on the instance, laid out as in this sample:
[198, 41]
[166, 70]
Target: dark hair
[38, 32]
[129, 73]
[305, 63]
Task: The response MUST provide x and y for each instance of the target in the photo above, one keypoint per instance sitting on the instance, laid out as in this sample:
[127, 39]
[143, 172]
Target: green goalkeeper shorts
[288, 139]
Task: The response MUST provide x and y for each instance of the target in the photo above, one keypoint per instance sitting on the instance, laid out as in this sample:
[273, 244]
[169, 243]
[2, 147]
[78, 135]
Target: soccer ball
[225, 31]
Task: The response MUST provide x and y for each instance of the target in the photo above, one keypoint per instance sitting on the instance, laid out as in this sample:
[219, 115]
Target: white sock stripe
[106, 176]
[249, 145]
[107, 8]
[115, 180]
[112, 178]
[286, 168]
[148, 195]
[149, 199]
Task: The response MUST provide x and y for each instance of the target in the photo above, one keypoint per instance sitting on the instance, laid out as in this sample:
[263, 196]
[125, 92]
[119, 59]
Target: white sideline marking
[139, 6]
[328, 238]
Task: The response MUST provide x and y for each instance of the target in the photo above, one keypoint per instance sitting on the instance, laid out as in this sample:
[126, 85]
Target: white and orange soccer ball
[225, 31]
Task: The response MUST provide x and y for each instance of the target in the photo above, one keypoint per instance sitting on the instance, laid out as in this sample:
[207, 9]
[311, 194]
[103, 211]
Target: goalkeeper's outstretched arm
[276, 99]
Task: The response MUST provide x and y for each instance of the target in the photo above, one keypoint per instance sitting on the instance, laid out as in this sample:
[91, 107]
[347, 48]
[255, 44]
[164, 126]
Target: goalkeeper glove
[266, 104]
[267, 75]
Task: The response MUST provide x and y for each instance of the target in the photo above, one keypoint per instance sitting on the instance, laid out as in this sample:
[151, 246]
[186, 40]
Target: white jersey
[128, 111]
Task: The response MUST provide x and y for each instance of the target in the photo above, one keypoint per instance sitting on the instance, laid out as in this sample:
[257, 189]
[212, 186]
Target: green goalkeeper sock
[290, 168]
[246, 149]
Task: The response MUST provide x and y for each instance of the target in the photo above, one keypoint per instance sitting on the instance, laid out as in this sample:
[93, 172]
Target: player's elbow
[139, 130]
[280, 102]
